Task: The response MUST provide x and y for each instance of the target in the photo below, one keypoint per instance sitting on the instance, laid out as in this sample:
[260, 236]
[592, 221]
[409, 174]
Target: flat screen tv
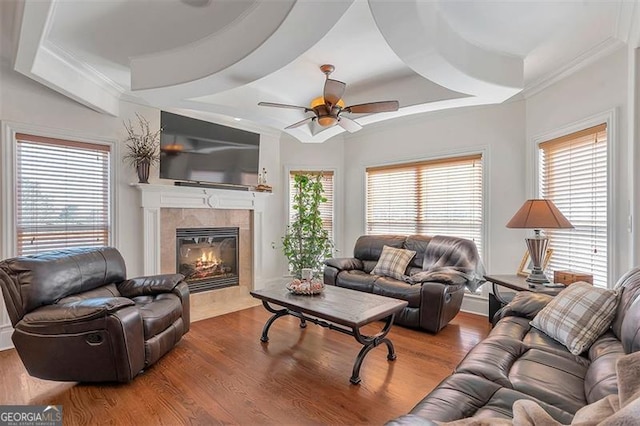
[200, 151]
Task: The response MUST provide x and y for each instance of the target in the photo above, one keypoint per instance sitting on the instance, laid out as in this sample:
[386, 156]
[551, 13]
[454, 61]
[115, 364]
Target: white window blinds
[573, 174]
[326, 208]
[62, 194]
[439, 197]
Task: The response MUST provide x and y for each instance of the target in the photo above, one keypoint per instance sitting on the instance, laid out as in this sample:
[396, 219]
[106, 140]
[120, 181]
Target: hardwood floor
[221, 373]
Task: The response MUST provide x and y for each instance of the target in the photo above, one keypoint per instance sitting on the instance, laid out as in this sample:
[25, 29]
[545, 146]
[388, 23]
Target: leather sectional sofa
[432, 304]
[517, 362]
[77, 318]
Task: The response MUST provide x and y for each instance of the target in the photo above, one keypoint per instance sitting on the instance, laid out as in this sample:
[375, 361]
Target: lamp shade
[539, 214]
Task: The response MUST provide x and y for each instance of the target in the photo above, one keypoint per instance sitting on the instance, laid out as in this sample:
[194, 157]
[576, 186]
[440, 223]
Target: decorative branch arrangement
[306, 243]
[142, 147]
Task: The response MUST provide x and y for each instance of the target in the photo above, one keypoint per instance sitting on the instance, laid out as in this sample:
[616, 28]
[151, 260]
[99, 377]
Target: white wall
[497, 130]
[590, 92]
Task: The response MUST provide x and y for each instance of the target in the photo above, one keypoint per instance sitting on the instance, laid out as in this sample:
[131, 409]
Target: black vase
[143, 171]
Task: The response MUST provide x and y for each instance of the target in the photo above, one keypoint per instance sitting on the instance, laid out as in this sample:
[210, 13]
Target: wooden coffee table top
[350, 308]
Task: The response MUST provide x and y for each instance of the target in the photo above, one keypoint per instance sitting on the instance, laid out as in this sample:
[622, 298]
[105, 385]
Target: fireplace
[207, 257]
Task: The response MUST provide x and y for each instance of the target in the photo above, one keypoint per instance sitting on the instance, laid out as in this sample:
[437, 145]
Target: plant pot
[143, 171]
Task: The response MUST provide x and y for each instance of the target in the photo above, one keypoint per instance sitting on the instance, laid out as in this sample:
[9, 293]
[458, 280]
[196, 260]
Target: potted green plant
[142, 147]
[306, 243]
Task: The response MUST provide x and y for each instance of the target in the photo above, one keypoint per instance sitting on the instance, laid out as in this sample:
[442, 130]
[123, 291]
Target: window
[62, 194]
[439, 197]
[326, 208]
[573, 174]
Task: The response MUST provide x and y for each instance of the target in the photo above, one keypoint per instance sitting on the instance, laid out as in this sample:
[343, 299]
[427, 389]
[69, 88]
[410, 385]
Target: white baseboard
[474, 304]
[5, 337]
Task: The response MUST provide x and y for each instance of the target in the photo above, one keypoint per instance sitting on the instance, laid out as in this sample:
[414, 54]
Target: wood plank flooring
[220, 373]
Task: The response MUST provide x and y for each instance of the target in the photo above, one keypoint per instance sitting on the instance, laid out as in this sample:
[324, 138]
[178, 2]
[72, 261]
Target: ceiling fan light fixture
[327, 120]
[320, 101]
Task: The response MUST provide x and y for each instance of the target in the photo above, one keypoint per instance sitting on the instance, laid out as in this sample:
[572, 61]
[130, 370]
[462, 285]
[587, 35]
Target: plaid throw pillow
[578, 316]
[393, 262]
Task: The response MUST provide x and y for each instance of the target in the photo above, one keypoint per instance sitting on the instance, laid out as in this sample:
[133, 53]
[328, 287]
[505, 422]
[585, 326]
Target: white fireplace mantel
[154, 197]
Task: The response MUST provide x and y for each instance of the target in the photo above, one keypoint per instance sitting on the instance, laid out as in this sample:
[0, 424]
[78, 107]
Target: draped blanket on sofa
[447, 258]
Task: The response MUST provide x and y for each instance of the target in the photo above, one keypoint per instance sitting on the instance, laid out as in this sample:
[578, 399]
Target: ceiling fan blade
[333, 91]
[272, 104]
[316, 128]
[384, 106]
[349, 125]
[300, 123]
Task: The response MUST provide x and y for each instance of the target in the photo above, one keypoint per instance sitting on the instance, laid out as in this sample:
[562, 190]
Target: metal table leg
[277, 314]
[370, 342]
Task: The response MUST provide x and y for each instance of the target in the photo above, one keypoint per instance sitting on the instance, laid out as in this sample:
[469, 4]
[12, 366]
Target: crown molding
[38, 61]
[603, 49]
[627, 22]
[83, 69]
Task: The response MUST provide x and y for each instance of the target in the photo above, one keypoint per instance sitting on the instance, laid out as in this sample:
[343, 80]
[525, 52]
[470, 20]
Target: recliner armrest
[524, 304]
[82, 310]
[344, 263]
[154, 284]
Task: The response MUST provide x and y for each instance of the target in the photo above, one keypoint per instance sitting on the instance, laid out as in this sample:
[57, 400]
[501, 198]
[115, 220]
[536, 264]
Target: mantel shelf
[172, 196]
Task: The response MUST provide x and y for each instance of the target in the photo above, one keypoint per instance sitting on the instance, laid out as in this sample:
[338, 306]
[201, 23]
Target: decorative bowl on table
[305, 287]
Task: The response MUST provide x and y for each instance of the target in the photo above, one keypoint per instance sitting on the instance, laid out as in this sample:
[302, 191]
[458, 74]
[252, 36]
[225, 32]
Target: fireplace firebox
[207, 257]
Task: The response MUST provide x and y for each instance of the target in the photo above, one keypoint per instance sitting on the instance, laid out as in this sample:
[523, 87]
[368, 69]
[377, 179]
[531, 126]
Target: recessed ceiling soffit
[223, 57]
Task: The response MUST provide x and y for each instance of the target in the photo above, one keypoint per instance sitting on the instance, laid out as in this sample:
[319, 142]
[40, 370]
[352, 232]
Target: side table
[512, 282]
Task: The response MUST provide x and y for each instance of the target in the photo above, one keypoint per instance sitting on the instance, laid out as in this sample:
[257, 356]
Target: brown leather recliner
[77, 318]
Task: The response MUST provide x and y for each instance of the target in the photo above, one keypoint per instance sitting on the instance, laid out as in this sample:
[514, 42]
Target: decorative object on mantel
[262, 182]
[537, 215]
[142, 147]
[306, 243]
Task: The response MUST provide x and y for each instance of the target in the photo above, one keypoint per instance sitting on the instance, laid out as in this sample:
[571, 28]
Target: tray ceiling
[220, 58]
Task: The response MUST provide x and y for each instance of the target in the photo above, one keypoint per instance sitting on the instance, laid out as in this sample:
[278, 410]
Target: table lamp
[537, 215]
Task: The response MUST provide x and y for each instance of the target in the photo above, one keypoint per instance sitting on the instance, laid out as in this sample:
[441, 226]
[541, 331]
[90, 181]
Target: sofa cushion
[393, 262]
[417, 243]
[398, 290]
[520, 329]
[578, 316]
[547, 376]
[369, 247]
[466, 395]
[158, 312]
[44, 278]
[629, 287]
[600, 380]
[356, 280]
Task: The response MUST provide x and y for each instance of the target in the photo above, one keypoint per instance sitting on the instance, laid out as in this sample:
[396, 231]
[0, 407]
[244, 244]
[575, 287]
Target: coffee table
[338, 309]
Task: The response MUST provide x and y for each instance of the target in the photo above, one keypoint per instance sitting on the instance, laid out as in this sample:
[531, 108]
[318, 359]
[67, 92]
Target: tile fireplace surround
[166, 207]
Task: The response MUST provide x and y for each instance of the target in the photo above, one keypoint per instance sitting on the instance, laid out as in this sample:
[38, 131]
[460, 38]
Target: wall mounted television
[203, 152]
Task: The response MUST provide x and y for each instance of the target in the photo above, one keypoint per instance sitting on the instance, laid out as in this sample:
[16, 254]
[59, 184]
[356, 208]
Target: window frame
[608, 118]
[8, 230]
[452, 155]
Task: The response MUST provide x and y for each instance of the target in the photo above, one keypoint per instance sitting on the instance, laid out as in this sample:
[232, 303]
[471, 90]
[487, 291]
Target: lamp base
[536, 277]
[537, 248]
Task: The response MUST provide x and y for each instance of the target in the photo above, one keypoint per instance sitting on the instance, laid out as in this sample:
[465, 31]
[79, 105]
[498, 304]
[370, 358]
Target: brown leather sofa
[517, 361]
[77, 318]
[432, 305]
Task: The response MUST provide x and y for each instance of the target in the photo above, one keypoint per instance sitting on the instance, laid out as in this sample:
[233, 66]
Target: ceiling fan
[329, 108]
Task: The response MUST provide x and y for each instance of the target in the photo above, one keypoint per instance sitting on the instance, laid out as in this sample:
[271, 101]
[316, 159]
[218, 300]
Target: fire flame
[208, 258]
